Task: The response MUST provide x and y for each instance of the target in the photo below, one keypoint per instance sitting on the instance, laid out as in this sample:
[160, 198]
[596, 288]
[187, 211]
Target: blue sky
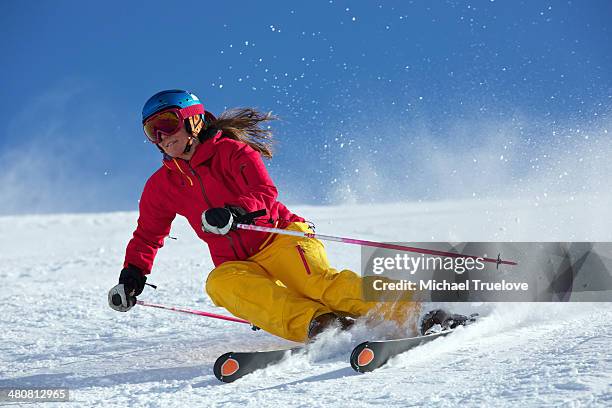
[379, 101]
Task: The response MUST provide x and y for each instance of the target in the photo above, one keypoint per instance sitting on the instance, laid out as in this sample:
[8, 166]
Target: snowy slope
[57, 329]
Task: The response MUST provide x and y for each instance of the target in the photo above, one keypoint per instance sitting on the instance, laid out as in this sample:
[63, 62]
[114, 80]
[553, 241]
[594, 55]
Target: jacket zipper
[303, 256]
[231, 241]
[242, 166]
[201, 185]
[242, 244]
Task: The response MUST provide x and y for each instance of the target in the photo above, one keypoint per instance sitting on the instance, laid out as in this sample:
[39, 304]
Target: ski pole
[191, 311]
[498, 261]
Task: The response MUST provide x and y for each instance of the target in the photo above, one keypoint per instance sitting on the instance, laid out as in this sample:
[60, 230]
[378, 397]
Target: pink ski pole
[434, 252]
[191, 311]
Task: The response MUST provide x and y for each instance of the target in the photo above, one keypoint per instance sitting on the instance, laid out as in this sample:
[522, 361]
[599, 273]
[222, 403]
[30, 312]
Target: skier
[212, 173]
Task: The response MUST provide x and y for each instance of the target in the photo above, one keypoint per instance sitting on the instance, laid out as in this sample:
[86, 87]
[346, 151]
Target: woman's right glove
[122, 297]
[221, 220]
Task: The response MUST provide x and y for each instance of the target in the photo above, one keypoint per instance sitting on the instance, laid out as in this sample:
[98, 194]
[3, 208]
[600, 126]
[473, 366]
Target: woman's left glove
[221, 220]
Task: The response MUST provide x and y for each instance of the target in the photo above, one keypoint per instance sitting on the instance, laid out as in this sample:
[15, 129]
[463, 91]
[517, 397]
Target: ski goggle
[168, 122]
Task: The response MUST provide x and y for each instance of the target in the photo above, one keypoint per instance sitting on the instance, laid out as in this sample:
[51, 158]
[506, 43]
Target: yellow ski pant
[287, 284]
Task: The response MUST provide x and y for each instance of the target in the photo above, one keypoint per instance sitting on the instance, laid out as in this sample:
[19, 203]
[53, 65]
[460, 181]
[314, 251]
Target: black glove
[221, 220]
[122, 297]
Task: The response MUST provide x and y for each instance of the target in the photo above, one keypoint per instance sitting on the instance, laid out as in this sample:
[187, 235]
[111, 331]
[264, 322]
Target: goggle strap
[192, 110]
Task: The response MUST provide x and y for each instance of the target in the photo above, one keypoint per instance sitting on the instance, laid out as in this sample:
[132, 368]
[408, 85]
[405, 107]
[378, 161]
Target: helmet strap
[194, 125]
[189, 144]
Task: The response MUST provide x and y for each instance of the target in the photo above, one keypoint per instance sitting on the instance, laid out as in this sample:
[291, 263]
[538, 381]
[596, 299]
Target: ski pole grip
[249, 217]
[116, 299]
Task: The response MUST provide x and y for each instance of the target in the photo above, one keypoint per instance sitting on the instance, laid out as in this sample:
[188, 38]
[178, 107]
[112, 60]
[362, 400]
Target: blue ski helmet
[168, 99]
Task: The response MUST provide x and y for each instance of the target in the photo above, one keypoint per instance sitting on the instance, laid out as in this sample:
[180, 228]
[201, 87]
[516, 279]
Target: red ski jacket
[222, 172]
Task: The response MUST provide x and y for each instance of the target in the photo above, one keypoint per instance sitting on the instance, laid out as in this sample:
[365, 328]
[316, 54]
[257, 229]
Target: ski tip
[226, 367]
[363, 357]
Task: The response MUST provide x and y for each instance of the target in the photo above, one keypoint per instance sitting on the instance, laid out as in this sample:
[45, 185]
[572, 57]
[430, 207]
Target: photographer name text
[444, 285]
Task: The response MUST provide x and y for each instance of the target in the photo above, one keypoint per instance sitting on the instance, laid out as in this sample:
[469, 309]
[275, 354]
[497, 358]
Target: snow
[57, 329]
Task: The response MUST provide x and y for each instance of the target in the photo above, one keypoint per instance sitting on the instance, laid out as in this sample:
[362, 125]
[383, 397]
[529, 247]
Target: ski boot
[439, 320]
[325, 321]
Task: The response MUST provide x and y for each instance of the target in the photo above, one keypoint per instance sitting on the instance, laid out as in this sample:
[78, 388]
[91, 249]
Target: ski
[367, 356]
[370, 355]
[234, 365]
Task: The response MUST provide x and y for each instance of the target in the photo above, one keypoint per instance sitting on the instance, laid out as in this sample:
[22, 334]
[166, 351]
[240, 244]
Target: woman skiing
[213, 175]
